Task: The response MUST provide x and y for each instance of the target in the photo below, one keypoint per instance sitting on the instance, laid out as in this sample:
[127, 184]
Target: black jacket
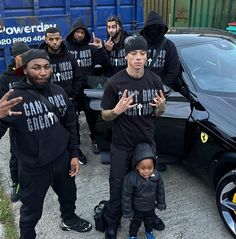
[66, 72]
[141, 194]
[8, 77]
[166, 63]
[42, 134]
[87, 56]
[117, 56]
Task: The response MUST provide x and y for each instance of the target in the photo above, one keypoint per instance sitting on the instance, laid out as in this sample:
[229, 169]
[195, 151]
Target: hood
[45, 47]
[221, 113]
[143, 151]
[153, 18]
[76, 25]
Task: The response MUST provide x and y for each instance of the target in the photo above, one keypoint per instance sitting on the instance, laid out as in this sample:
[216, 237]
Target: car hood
[221, 113]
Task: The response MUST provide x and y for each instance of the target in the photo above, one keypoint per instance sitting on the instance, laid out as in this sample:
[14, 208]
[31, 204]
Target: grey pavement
[191, 210]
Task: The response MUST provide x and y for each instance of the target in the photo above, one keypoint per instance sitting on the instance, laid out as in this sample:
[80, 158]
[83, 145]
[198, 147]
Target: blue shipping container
[27, 20]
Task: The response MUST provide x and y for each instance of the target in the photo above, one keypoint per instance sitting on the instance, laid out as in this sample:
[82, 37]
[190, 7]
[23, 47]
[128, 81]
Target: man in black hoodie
[115, 45]
[91, 58]
[12, 74]
[65, 71]
[162, 54]
[47, 145]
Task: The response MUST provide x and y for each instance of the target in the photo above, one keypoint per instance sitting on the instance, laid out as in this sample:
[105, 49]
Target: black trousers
[13, 163]
[91, 116]
[119, 167]
[146, 217]
[35, 184]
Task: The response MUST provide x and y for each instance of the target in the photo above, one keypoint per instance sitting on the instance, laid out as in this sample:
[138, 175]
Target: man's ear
[24, 70]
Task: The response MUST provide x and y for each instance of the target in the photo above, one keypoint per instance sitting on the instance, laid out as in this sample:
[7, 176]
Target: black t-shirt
[136, 125]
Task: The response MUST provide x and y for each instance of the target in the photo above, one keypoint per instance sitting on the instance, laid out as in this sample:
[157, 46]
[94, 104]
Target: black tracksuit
[7, 79]
[141, 196]
[46, 140]
[87, 57]
[67, 74]
[166, 63]
[117, 56]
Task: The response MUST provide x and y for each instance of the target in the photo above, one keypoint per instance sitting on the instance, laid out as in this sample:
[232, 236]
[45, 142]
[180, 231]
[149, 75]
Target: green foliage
[6, 216]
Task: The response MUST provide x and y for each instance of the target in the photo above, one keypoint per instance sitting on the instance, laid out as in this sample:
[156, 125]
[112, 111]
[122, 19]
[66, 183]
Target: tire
[226, 200]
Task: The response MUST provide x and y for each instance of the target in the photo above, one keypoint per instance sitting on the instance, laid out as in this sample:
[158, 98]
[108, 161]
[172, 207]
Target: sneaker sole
[64, 227]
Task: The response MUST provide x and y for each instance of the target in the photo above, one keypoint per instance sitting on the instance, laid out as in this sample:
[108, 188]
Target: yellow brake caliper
[234, 200]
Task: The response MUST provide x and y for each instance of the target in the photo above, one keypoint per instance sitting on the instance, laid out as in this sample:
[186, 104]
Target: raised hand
[97, 42]
[124, 103]
[109, 44]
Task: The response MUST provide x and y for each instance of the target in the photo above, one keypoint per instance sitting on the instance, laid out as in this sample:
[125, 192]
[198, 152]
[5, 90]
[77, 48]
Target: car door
[170, 127]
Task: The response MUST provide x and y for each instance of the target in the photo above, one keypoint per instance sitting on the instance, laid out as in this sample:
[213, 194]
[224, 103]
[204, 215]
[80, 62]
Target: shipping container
[194, 13]
[27, 20]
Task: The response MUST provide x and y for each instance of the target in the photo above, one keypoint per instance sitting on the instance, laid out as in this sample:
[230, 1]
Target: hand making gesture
[159, 103]
[97, 42]
[124, 103]
[6, 105]
[109, 44]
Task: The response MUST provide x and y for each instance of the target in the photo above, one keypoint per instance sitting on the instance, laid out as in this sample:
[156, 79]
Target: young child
[143, 191]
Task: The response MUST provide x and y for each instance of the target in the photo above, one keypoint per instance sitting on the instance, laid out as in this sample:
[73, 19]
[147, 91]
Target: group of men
[44, 126]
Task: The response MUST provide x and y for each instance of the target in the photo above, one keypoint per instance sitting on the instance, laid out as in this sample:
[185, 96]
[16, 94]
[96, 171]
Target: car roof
[191, 36]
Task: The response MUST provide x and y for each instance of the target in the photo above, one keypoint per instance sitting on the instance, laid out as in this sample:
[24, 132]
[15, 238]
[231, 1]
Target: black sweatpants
[90, 114]
[146, 217]
[35, 184]
[13, 163]
[120, 166]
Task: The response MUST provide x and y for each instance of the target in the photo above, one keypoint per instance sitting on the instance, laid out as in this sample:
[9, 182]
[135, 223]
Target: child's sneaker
[76, 223]
[149, 235]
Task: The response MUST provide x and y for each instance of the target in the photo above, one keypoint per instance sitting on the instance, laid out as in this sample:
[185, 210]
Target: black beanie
[18, 48]
[34, 54]
[135, 42]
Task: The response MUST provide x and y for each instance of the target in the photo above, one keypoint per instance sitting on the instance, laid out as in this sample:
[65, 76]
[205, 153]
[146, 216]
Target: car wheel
[226, 200]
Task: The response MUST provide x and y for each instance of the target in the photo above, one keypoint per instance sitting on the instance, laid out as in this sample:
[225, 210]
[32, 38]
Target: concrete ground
[191, 211]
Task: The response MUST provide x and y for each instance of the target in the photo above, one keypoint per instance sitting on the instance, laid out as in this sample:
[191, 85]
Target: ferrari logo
[204, 137]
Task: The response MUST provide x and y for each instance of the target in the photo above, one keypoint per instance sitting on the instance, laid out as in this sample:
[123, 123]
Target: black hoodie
[166, 64]
[8, 77]
[42, 134]
[66, 72]
[87, 56]
[117, 55]
[140, 194]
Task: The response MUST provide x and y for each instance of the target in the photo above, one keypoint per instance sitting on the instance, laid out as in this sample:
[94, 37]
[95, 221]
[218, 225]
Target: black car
[199, 125]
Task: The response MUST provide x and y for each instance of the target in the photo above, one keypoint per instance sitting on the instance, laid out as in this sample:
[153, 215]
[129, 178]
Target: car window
[96, 82]
[212, 65]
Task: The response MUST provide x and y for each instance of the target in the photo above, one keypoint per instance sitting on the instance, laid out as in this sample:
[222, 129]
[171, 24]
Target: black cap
[18, 48]
[135, 42]
[34, 54]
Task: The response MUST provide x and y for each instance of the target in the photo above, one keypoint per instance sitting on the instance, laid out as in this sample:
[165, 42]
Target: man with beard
[115, 44]
[163, 60]
[12, 74]
[92, 59]
[47, 145]
[65, 71]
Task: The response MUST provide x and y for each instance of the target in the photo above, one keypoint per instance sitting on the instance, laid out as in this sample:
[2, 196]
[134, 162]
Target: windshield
[212, 65]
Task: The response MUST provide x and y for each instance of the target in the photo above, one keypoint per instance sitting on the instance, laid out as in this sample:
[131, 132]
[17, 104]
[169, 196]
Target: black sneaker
[82, 158]
[15, 193]
[77, 224]
[111, 232]
[95, 147]
[158, 224]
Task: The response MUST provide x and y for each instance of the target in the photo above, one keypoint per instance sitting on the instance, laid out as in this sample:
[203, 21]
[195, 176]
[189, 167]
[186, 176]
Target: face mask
[154, 32]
